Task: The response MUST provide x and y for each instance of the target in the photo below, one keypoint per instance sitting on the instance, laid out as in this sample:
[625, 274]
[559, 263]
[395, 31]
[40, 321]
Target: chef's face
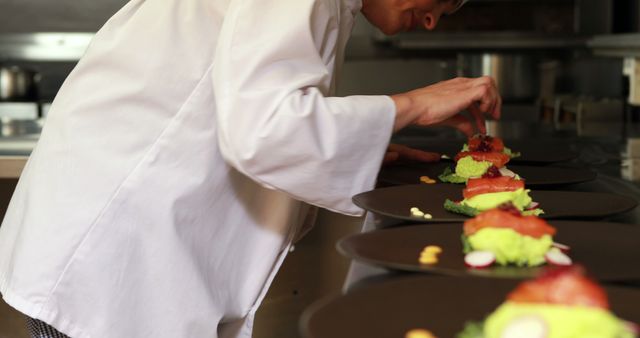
[394, 16]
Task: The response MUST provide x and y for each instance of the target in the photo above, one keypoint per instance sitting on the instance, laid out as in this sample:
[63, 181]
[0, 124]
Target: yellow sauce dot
[432, 248]
[419, 333]
[429, 255]
[428, 259]
[427, 180]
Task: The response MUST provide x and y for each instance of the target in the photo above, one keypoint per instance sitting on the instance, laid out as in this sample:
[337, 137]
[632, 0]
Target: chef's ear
[430, 20]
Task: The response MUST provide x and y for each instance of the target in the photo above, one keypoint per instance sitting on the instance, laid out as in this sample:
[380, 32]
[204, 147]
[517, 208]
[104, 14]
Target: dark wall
[23, 16]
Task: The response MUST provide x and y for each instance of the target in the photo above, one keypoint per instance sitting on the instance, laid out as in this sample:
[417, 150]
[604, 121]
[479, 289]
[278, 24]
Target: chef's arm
[275, 123]
[277, 126]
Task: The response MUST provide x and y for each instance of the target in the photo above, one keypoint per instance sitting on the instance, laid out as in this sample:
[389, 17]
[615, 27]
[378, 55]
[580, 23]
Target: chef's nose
[430, 20]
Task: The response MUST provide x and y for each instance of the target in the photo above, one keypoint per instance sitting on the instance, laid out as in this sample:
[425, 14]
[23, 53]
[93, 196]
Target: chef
[184, 151]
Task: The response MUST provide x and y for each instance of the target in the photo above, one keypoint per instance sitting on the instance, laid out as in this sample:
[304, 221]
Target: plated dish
[535, 176]
[396, 202]
[609, 250]
[540, 152]
[441, 305]
[481, 156]
[481, 194]
[561, 303]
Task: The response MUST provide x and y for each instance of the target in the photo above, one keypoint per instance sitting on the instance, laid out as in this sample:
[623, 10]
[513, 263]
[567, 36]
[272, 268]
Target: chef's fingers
[478, 116]
[486, 95]
[390, 156]
[497, 110]
[407, 153]
[461, 123]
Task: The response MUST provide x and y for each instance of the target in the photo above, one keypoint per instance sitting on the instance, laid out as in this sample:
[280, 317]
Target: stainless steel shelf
[482, 41]
[44, 46]
[616, 45]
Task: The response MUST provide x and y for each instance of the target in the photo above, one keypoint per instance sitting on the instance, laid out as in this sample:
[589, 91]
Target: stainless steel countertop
[17, 140]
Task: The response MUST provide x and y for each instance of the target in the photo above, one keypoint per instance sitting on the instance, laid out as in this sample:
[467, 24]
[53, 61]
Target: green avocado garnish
[519, 198]
[468, 167]
[511, 247]
[566, 322]
[562, 321]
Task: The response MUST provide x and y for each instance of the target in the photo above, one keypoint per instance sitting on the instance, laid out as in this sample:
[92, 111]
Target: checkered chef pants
[40, 329]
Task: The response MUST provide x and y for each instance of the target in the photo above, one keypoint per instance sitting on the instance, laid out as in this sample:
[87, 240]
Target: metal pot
[516, 75]
[18, 84]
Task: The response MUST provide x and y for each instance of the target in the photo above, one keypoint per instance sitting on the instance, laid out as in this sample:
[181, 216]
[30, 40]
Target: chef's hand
[397, 152]
[441, 103]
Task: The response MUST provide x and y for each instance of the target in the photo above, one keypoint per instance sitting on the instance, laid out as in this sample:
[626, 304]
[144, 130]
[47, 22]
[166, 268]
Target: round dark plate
[617, 253]
[532, 151]
[409, 173]
[439, 304]
[396, 202]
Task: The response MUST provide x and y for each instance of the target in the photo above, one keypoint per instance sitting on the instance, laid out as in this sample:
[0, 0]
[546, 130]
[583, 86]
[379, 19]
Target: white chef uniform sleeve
[275, 124]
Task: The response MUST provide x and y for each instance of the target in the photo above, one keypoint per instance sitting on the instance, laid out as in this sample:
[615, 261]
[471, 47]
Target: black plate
[615, 259]
[409, 173]
[396, 202]
[439, 304]
[532, 151]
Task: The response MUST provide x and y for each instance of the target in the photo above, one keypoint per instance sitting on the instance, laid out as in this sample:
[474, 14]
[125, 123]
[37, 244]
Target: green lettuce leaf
[511, 153]
[466, 246]
[457, 208]
[533, 212]
[472, 330]
[448, 176]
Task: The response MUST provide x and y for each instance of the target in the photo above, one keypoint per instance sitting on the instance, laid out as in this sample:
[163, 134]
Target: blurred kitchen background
[567, 66]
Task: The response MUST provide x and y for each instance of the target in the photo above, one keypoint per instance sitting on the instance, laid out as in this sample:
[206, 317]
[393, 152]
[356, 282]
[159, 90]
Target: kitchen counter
[17, 140]
[14, 152]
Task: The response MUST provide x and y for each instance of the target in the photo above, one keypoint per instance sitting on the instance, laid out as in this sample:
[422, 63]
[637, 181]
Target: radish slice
[479, 259]
[506, 172]
[557, 257]
[632, 327]
[526, 326]
[561, 247]
[533, 205]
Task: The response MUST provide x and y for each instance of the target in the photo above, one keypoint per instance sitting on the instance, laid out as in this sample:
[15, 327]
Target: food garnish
[479, 259]
[416, 212]
[556, 257]
[511, 238]
[429, 254]
[427, 180]
[483, 194]
[481, 155]
[419, 333]
[561, 303]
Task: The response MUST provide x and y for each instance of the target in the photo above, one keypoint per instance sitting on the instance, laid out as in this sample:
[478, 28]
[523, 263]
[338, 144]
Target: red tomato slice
[484, 143]
[497, 159]
[477, 186]
[495, 218]
[566, 286]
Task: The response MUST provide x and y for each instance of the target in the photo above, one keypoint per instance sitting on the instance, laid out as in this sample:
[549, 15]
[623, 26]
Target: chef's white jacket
[177, 161]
